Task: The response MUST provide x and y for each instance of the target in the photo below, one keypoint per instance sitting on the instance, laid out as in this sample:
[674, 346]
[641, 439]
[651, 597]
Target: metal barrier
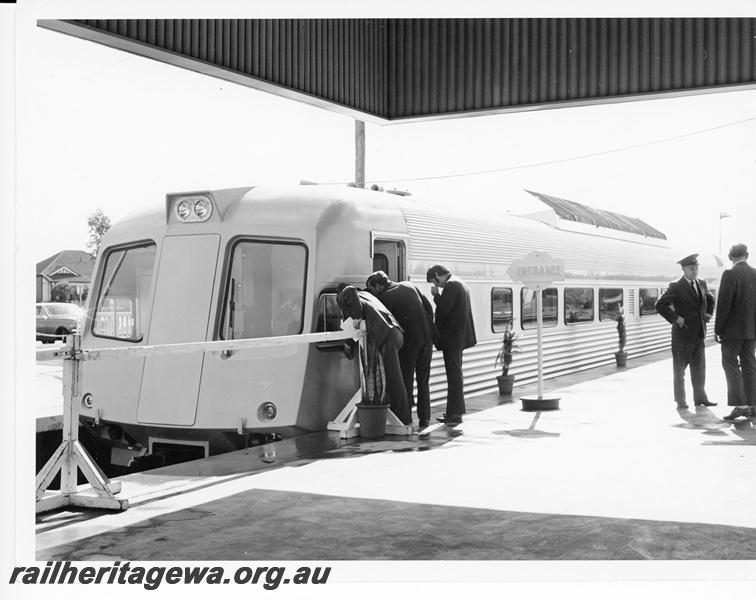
[71, 455]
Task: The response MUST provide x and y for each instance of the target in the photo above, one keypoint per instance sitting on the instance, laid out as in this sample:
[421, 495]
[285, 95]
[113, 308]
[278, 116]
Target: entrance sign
[538, 271]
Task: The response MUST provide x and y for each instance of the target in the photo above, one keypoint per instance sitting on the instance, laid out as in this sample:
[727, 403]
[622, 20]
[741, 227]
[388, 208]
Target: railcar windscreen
[265, 290]
[122, 298]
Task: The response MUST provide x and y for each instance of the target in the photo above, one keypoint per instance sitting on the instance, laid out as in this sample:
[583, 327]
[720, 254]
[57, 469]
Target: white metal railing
[192, 347]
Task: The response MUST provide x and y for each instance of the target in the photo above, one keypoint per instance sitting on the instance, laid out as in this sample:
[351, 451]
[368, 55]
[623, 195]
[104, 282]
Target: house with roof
[65, 277]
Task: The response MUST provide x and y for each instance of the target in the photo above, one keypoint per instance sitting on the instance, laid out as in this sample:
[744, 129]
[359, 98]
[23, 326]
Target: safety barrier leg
[71, 455]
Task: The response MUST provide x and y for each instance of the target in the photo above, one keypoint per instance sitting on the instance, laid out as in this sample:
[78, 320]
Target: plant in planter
[621, 355]
[504, 358]
[373, 408]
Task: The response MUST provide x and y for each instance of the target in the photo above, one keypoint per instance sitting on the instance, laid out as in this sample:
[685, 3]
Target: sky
[99, 128]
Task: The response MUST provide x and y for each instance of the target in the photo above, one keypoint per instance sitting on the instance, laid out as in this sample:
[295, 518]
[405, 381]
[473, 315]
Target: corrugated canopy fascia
[399, 70]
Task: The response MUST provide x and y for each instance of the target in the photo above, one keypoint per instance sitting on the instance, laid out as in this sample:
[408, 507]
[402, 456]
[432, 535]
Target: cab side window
[329, 314]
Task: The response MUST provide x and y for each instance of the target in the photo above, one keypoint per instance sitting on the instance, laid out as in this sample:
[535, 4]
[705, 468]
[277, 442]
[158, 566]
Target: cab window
[122, 310]
[265, 290]
[329, 314]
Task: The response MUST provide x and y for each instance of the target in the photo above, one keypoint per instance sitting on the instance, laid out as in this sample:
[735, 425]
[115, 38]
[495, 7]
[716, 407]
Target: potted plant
[621, 355]
[372, 410]
[504, 358]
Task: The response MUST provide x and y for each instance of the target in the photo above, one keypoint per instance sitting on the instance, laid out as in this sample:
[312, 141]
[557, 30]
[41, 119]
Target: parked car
[56, 320]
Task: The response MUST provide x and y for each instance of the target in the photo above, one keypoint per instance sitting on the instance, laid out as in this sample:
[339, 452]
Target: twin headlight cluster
[194, 209]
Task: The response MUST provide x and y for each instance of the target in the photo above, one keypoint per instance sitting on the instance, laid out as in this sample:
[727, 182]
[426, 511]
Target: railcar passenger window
[549, 309]
[122, 310]
[265, 290]
[610, 303]
[648, 298]
[502, 309]
[578, 305]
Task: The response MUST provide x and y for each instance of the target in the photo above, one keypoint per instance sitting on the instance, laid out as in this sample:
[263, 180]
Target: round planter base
[539, 403]
[621, 358]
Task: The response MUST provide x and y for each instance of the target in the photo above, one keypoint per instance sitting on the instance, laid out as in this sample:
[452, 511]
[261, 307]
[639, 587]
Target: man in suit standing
[688, 306]
[456, 331]
[415, 315]
[735, 329]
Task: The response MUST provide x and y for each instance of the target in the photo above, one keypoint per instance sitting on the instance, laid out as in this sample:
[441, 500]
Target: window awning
[580, 213]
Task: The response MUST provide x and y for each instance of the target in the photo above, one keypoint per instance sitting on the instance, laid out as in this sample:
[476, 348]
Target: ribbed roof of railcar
[486, 244]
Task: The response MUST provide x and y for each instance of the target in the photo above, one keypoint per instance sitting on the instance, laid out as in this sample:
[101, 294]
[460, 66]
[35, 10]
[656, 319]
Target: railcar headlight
[202, 208]
[87, 400]
[269, 410]
[184, 210]
[194, 209]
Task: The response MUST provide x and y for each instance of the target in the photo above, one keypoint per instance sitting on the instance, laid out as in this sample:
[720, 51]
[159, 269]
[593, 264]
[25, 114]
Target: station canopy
[400, 70]
[580, 213]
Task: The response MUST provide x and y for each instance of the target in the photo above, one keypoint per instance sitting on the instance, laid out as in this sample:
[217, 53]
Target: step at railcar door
[180, 314]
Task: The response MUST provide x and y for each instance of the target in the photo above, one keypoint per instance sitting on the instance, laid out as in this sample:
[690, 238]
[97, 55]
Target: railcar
[260, 262]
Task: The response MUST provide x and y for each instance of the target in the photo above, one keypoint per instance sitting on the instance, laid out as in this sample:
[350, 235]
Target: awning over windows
[580, 213]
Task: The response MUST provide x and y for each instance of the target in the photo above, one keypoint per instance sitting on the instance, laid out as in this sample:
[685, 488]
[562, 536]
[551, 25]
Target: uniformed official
[688, 305]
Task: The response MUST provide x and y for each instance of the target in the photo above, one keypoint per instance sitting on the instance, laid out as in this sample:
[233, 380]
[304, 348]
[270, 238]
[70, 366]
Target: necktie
[695, 289]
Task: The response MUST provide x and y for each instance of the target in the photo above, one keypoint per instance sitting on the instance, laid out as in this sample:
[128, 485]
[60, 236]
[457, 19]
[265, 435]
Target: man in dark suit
[415, 315]
[689, 306]
[456, 332]
[735, 329]
[385, 333]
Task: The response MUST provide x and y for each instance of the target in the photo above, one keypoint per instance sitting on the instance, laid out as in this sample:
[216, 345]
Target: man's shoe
[706, 403]
[451, 419]
[681, 405]
[738, 412]
[424, 424]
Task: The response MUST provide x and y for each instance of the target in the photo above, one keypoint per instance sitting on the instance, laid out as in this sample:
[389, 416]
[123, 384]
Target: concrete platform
[617, 474]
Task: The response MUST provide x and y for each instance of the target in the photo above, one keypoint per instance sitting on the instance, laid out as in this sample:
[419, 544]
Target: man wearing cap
[735, 329]
[688, 306]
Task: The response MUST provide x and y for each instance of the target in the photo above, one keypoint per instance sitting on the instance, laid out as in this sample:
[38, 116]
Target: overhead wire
[562, 160]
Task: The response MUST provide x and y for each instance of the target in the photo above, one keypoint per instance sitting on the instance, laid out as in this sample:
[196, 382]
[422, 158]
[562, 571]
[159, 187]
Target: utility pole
[722, 215]
[359, 153]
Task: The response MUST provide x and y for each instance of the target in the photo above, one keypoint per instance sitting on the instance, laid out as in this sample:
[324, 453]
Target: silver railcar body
[264, 262]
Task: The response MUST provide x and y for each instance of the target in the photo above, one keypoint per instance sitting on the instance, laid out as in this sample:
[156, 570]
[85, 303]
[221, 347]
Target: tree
[61, 292]
[98, 225]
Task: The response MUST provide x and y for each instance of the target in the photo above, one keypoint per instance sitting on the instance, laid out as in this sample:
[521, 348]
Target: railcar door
[180, 314]
[389, 256]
